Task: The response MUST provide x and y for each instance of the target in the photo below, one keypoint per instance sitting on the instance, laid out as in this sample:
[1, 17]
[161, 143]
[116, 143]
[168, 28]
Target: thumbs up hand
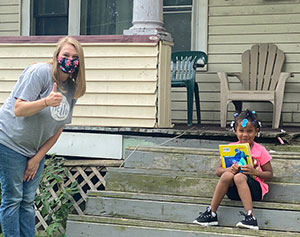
[54, 87]
[54, 98]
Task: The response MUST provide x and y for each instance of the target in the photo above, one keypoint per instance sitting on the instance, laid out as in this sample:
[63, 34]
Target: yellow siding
[120, 75]
[233, 26]
[118, 99]
[122, 81]
[164, 85]
[113, 122]
[10, 17]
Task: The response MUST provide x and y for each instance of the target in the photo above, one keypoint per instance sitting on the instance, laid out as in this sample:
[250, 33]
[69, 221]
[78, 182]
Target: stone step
[271, 216]
[95, 226]
[286, 165]
[186, 183]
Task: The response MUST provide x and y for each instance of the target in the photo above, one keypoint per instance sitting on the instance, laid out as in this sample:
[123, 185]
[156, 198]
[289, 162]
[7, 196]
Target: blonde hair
[79, 78]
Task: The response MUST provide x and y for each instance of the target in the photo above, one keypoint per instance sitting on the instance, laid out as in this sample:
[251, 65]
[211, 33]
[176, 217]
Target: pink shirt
[260, 156]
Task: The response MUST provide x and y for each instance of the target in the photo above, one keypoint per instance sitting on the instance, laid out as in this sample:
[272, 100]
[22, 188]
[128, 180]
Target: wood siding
[10, 17]
[233, 26]
[122, 81]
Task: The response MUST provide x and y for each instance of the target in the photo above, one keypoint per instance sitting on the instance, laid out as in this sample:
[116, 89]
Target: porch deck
[288, 135]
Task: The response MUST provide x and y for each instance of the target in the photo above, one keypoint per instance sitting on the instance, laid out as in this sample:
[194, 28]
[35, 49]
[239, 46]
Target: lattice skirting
[89, 174]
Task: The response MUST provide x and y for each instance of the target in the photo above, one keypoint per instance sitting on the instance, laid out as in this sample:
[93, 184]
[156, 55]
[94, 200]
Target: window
[111, 17]
[50, 17]
[186, 20]
[105, 17]
[177, 21]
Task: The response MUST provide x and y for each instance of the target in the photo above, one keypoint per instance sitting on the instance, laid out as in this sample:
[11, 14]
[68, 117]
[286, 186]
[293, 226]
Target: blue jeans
[17, 213]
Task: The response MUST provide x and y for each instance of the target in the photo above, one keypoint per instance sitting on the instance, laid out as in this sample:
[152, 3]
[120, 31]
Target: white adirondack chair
[261, 78]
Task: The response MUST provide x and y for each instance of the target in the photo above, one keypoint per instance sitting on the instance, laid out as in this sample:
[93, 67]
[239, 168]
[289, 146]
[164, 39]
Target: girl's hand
[54, 98]
[248, 169]
[235, 168]
[31, 169]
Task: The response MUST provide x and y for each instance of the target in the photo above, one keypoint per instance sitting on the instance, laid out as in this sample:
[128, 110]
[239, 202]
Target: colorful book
[235, 153]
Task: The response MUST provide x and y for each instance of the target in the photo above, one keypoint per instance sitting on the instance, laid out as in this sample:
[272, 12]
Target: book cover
[235, 153]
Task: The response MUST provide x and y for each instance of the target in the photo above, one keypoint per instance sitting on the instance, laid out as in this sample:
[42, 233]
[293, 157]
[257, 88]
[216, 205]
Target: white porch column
[147, 19]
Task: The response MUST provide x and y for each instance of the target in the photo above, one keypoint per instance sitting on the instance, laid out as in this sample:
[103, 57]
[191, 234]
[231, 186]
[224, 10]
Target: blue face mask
[67, 65]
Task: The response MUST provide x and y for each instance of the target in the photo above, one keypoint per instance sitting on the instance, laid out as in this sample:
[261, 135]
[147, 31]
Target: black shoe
[206, 218]
[250, 222]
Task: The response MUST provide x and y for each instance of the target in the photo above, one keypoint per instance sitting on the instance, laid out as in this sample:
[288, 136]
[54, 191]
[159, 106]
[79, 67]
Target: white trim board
[89, 145]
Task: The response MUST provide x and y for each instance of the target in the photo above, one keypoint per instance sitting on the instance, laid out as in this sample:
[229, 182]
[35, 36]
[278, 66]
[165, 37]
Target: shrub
[54, 199]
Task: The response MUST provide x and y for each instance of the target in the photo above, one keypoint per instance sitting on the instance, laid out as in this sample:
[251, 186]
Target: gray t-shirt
[26, 135]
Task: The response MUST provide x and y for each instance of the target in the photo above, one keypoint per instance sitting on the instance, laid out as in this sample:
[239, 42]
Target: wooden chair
[261, 78]
[183, 68]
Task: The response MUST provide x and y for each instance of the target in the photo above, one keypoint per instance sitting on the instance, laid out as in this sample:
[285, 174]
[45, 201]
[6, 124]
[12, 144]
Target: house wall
[233, 26]
[10, 17]
[122, 80]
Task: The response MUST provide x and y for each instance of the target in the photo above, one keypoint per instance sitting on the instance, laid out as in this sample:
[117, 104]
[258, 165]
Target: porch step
[271, 216]
[285, 165]
[186, 184]
[160, 190]
[95, 226]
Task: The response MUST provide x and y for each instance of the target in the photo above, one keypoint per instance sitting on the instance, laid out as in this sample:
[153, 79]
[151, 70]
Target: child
[239, 185]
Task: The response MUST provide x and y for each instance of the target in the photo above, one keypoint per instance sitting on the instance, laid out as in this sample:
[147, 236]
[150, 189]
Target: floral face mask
[67, 65]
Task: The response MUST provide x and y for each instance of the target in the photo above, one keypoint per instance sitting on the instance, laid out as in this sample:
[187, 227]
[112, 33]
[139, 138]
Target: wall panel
[233, 26]
[122, 81]
[10, 17]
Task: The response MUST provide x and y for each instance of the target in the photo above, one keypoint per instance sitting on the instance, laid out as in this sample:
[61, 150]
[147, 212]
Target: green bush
[55, 210]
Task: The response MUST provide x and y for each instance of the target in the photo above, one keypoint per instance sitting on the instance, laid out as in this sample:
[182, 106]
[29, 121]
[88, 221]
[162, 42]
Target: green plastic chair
[183, 69]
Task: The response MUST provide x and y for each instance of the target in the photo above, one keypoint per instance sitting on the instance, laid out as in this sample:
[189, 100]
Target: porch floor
[282, 136]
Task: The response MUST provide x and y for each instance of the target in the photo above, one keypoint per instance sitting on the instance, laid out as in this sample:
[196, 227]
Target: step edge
[279, 206]
[203, 151]
[172, 225]
[196, 174]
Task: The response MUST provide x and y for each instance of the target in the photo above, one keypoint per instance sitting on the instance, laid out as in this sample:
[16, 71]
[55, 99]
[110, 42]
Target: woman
[31, 121]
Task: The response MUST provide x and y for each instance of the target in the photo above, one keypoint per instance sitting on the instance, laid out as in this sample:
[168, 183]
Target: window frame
[25, 18]
[74, 17]
[199, 23]
[41, 18]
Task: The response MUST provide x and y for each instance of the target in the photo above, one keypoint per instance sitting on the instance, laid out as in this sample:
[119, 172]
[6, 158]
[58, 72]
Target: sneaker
[250, 222]
[206, 218]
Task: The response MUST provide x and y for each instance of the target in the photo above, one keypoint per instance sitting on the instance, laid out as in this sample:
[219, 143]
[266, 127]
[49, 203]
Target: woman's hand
[54, 98]
[28, 108]
[31, 168]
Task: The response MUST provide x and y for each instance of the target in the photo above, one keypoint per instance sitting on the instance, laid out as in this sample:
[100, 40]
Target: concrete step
[95, 226]
[186, 183]
[286, 165]
[271, 216]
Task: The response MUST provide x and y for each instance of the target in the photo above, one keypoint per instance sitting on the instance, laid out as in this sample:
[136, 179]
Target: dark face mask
[67, 65]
